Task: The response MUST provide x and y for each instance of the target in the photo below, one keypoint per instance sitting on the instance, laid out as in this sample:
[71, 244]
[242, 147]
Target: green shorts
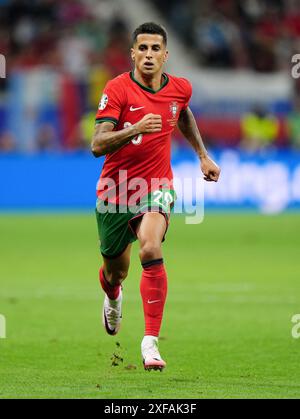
[117, 225]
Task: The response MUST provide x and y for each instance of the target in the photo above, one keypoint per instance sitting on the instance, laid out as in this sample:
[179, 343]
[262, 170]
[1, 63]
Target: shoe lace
[112, 315]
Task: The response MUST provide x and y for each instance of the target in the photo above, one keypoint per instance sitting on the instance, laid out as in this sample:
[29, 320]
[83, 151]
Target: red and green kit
[138, 177]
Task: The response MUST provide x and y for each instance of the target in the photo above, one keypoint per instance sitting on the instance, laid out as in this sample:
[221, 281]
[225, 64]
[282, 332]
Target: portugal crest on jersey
[174, 109]
[103, 102]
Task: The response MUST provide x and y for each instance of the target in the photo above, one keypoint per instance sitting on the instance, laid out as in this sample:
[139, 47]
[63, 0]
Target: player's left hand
[210, 169]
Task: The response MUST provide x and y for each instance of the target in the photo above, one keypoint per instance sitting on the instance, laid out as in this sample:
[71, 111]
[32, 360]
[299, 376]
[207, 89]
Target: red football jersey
[138, 164]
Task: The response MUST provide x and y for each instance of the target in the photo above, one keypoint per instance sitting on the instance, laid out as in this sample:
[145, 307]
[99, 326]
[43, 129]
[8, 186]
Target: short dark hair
[151, 28]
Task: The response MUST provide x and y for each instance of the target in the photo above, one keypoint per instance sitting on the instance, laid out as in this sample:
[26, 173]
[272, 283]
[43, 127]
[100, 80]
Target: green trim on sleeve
[107, 119]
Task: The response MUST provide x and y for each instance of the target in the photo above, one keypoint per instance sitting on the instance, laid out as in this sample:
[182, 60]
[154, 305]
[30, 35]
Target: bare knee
[150, 251]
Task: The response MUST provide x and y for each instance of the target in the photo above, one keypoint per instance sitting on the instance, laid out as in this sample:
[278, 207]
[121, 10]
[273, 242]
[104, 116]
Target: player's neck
[153, 82]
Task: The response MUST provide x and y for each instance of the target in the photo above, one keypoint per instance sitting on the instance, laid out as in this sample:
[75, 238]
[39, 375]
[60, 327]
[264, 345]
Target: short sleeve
[188, 91]
[111, 103]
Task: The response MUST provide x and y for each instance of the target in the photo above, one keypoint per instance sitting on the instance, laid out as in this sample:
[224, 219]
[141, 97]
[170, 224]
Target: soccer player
[137, 115]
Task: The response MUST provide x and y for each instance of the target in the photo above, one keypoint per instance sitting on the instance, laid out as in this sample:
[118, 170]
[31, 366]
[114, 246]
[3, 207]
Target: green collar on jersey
[164, 83]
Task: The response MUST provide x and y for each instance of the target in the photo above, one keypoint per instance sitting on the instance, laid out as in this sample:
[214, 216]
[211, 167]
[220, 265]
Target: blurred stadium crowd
[60, 55]
[257, 34]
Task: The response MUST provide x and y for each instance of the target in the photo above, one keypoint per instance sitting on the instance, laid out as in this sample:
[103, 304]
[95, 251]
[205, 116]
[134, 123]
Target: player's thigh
[117, 268]
[151, 228]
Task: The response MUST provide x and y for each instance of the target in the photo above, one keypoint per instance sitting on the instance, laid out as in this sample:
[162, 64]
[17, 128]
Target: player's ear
[132, 54]
[166, 56]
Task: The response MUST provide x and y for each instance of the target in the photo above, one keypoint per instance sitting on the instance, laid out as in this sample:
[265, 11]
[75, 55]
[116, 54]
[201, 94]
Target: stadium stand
[60, 55]
[261, 35]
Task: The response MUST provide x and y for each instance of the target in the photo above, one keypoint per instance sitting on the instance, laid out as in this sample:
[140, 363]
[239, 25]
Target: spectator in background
[75, 52]
[292, 18]
[181, 17]
[71, 12]
[259, 130]
[251, 10]
[116, 54]
[215, 38]
[265, 36]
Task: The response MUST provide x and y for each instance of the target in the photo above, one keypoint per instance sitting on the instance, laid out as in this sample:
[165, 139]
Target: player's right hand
[149, 123]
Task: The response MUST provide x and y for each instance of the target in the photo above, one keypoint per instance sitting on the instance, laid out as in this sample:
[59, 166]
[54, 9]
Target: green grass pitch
[234, 285]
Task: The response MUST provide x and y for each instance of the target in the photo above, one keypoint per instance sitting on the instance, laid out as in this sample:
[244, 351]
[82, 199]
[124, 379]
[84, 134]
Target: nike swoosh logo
[132, 109]
[153, 301]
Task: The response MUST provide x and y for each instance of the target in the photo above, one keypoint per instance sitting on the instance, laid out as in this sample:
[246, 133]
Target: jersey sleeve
[111, 103]
[188, 92]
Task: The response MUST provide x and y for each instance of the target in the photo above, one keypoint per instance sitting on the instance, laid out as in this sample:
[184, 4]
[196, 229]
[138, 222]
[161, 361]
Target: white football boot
[151, 356]
[112, 314]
